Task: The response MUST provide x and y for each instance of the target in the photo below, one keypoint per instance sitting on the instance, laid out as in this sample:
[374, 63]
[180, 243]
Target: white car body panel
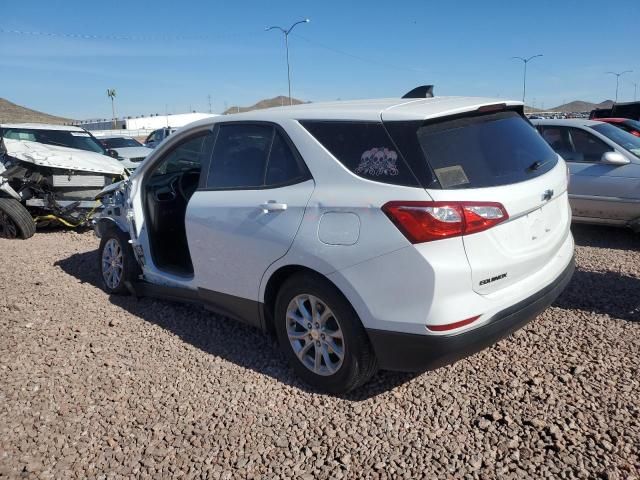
[62, 157]
[247, 237]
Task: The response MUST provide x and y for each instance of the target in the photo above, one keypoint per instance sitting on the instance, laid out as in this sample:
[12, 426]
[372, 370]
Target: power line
[84, 36]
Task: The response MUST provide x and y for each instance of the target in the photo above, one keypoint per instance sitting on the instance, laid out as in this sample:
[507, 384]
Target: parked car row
[400, 234]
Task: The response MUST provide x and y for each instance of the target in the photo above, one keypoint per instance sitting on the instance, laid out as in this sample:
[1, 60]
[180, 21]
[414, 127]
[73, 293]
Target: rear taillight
[428, 221]
[635, 133]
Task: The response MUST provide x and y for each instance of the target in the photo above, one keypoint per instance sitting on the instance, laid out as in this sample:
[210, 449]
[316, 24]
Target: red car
[631, 126]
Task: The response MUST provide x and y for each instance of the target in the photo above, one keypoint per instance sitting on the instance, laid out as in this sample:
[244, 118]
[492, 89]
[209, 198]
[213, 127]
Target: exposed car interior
[167, 191]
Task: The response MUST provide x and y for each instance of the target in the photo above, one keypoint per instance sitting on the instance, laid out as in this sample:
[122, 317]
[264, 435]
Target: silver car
[604, 163]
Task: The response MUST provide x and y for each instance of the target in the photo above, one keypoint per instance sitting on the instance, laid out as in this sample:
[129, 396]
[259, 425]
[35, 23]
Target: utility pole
[209, 97]
[286, 43]
[111, 93]
[635, 91]
[524, 77]
[618, 75]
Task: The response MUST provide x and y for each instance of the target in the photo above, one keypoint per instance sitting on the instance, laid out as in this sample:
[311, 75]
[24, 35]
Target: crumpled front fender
[4, 183]
[6, 188]
[112, 188]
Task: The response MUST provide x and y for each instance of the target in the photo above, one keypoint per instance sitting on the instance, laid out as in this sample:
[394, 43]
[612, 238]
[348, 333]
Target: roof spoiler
[423, 91]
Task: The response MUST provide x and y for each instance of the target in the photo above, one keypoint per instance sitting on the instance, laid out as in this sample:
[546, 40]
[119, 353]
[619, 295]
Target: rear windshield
[477, 151]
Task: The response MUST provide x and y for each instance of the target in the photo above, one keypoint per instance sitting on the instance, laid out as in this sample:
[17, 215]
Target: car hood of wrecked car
[55, 156]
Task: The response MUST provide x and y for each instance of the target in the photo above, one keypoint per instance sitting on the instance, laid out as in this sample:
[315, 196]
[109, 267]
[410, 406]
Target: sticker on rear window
[451, 176]
[79, 134]
[378, 161]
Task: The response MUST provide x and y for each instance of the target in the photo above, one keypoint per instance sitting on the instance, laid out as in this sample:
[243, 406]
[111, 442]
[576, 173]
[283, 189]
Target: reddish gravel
[93, 386]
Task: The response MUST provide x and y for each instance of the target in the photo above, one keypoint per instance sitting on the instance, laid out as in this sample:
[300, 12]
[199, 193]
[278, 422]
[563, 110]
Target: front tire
[15, 220]
[322, 336]
[116, 261]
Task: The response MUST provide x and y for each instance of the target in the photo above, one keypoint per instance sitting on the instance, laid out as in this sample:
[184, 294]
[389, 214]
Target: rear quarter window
[365, 149]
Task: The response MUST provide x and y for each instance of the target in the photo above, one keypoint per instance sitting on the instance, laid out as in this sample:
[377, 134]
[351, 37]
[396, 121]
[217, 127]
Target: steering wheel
[187, 184]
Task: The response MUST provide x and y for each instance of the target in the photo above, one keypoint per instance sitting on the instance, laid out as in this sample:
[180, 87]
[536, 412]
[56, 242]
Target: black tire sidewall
[354, 368]
[19, 216]
[129, 264]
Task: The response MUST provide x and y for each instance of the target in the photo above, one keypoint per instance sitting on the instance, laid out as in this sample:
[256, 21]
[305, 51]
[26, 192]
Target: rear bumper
[410, 352]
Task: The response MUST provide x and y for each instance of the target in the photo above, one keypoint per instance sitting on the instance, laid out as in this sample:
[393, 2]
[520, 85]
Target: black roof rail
[423, 91]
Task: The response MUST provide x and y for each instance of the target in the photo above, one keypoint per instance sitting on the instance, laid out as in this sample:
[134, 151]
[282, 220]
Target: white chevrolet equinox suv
[400, 234]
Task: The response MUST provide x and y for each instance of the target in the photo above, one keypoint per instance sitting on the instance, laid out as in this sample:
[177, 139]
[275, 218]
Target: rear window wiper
[536, 165]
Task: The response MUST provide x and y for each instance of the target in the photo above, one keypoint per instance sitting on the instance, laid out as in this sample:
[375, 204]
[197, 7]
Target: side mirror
[614, 158]
[112, 153]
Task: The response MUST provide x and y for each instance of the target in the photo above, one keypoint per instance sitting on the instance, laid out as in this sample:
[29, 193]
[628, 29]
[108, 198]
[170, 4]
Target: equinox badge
[547, 195]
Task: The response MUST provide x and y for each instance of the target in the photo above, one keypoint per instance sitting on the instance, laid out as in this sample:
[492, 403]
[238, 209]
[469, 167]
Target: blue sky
[174, 54]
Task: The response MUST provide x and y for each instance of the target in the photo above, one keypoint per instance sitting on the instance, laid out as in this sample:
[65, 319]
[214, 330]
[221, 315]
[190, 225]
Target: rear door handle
[273, 206]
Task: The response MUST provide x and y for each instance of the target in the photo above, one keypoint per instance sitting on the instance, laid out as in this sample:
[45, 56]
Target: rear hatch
[497, 157]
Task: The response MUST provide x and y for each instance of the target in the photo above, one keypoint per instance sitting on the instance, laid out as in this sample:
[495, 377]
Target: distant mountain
[582, 106]
[12, 113]
[266, 103]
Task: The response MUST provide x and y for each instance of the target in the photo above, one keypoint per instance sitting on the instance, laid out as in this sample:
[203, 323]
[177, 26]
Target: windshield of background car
[474, 151]
[119, 142]
[63, 138]
[624, 139]
[632, 125]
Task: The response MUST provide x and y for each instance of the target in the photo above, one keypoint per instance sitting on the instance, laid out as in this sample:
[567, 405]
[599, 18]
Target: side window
[151, 137]
[364, 148]
[283, 167]
[587, 145]
[182, 158]
[240, 156]
[558, 139]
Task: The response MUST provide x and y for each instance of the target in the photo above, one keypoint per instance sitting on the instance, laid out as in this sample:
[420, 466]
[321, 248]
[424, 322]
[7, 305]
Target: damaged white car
[50, 174]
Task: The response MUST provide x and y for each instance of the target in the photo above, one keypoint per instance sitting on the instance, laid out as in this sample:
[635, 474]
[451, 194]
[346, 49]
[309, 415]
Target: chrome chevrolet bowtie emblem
[547, 195]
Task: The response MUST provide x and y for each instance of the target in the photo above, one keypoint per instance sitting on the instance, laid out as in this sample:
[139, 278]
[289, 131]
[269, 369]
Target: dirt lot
[93, 386]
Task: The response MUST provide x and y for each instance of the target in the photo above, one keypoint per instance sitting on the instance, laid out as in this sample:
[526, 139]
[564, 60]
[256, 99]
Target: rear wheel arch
[347, 352]
[275, 282]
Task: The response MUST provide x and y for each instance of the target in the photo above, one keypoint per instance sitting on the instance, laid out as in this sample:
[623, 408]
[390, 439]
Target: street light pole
[111, 93]
[286, 43]
[524, 78]
[618, 75]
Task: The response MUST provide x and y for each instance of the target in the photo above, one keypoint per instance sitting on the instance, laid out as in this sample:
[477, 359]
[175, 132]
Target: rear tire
[116, 262]
[322, 336]
[15, 220]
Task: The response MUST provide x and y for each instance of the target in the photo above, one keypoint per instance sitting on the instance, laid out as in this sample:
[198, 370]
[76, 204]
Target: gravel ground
[93, 386]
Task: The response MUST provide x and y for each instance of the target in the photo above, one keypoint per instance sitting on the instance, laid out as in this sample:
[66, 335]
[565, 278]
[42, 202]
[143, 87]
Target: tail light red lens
[452, 326]
[428, 221]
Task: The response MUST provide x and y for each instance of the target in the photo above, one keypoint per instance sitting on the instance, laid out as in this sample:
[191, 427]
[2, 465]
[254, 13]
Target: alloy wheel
[315, 335]
[112, 263]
